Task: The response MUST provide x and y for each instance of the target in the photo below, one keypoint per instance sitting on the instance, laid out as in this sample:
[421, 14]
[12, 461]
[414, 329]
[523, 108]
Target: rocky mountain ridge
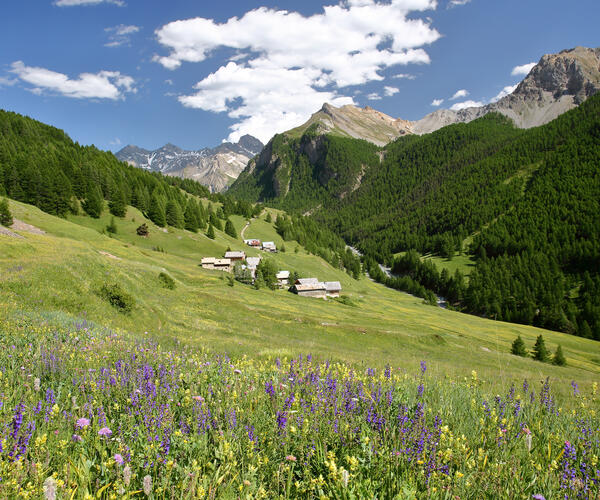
[216, 167]
[556, 84]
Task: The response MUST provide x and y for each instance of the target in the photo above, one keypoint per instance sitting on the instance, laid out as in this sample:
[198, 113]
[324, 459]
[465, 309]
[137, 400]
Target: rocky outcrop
[558, 83]
[216, 168]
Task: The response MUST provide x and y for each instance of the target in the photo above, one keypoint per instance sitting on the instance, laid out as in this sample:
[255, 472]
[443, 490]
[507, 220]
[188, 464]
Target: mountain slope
[215, 168]
[431, 192]
[558, 83]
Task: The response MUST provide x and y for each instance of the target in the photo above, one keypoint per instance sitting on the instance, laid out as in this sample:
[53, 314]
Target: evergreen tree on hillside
[540, 353]
[268, 271]
[117, 205]
[211, 232]
[112, 227]
[215, 221]
[156, 210]
[190, 219]
[6, 218]
[174, 214]
[2, 188]
[518, 347]
[230, 229]
[93, 202]
[559, 358]
[64, 194]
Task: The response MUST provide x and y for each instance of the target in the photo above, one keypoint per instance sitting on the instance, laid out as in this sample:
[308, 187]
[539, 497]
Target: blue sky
[193, 73]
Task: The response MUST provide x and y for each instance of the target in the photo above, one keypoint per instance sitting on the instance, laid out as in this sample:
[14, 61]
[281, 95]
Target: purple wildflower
[105, 432]
[82, 423]
[119, 459]
[423, 367]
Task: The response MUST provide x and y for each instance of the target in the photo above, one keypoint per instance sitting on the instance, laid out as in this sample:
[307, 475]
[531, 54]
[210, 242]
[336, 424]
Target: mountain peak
[358, 123]
[557, 83]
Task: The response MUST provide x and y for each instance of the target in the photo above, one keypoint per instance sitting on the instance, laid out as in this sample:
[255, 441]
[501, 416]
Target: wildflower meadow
[87, 412]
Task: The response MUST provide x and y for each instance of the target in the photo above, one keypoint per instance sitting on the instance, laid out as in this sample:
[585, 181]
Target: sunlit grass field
[217, 391]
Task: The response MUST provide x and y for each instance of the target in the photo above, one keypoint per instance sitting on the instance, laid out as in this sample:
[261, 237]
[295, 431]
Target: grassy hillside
[64, 270]
[227, 392]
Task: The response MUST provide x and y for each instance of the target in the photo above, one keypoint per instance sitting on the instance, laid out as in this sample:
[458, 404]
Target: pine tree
[6, 218]
[112, 227]
[584, 330]
[156, 210]
[518, 347]
[540, 353]
[189, 217]
[268, 218]
[211, 232]
[64, 193]
[174, 214]
[230, 229]
[215, 221]
[117, 205]
[93, 202]
[559, 358]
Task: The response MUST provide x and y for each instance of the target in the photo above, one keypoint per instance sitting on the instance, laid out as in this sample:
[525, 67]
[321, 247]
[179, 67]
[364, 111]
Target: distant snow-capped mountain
[216, 168]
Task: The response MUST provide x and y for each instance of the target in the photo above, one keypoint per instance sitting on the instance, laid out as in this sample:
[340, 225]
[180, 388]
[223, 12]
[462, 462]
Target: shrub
[142, 230]
[6, 218]
[166, 281]
[518, 347]
[117, 297]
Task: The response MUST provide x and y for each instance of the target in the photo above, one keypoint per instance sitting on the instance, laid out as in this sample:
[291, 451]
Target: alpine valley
[231, 323]
[513, 186]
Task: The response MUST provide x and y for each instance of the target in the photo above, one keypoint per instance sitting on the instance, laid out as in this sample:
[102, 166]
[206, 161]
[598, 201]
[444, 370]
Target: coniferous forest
[524, 203]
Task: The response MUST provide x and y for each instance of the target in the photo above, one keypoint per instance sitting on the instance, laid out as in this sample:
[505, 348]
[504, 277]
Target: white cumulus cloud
[374, 97]
[459, 94]
[504, 92]
[466, 104]
[348, 44]
[75, 3]
[407, 76]
[522, 70]
[103, 85]
[120, 35]
[390, 91]
[437, 102]
[457, 3]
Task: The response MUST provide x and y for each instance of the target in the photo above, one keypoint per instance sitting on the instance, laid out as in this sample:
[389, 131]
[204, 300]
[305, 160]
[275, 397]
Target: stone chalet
[234, 256]
[333, 288]
[217, 264]
[269, 246]
[283, 278]
[309, 287]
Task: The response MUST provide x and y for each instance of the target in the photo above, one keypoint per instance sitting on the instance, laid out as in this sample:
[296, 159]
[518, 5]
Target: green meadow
[65, 269]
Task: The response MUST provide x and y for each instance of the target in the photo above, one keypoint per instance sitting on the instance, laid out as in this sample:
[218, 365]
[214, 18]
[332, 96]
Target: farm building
[283, 278]
[217, 264]
[223, 265]
[309, 287]
[269, 246]
[333, 288]
[208, 263]
[253, 243]
[233, 256]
